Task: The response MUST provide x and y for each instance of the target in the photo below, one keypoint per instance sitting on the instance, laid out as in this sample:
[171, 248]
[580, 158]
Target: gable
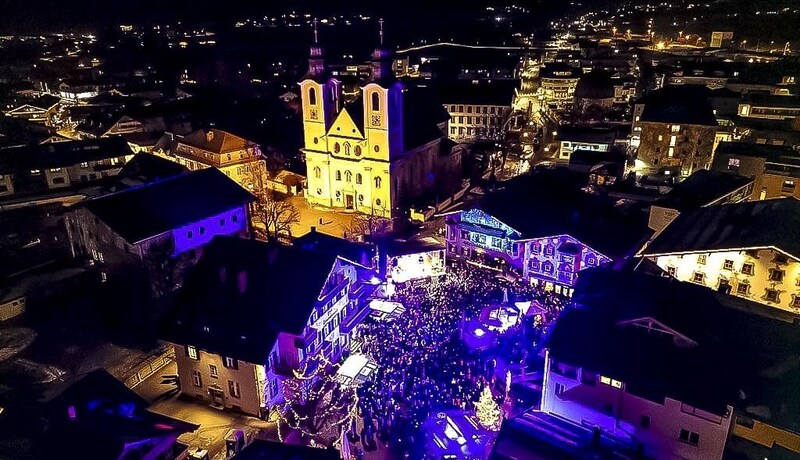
[652, 325]
[344, 126]
[26, 109]
[478, 217]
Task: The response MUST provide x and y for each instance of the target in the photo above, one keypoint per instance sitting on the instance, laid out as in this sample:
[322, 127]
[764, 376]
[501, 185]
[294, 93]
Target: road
[214, 423]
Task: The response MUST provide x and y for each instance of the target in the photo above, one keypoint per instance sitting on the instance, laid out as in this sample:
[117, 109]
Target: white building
[748, 250]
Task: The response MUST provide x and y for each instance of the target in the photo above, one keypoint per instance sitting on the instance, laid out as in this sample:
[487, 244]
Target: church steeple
[316, 58]
[381, 60]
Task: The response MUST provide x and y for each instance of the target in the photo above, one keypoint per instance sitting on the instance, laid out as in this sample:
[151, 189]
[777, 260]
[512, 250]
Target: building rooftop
[23, 159]
[586, 134]
[703, 188]
[679, 104]
[497, 92]
[596, 84]
[755, 224]
[557, 70]
[243, 293]
[731, 354]
[314, 240]
[143, 212]
[216, 141]
[768, 151]
[759, 99]
[551, 203]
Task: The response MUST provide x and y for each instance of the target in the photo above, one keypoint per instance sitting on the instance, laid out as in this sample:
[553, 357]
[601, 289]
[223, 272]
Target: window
[780, 259]
[675, 128]
[337, 148]
[230, 363]
[610, 382]
[644, 422]
[701, 259]
[376, 101]
[212, 369]
[233, 389]
[727, 265]
[748, 268]
[357, 150]
[460, 108]
[347, 148]
[560, 389]
[742, 288]
[202, 230]
[699, 277]
[672, 271]
[733, 163]
[377, 182]
[312, 96]
[796, 301]
[189, 234]
[338, 175]
[317, 172]
[378, 202]
[273, 387]
[771, 295]
[776, 275]
[536, 248]
[222, 222]
[348, 176]
[358, 178]
[197, 379]
[191, 352]
[788, 186]
[548, 250]
[689, 437]
[660, 138]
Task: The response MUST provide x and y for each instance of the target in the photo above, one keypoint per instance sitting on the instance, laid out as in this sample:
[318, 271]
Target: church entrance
[349, 201]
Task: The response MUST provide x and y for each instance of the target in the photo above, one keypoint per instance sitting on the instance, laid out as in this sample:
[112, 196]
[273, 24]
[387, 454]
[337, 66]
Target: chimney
[313, 229]
[242, 282]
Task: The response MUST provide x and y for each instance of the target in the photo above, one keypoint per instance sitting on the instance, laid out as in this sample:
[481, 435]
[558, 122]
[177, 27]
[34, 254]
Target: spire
[381, 59]
[316, 58]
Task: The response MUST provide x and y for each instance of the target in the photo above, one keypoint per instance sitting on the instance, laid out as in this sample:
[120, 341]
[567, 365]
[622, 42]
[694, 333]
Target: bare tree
[273, 217]
[366, 225]
[164, 268]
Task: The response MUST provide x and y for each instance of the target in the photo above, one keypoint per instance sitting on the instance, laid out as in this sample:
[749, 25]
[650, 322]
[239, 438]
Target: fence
[149, 366]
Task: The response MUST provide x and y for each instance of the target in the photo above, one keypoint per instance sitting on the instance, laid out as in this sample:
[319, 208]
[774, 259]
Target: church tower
[320, 96]
[382, 99]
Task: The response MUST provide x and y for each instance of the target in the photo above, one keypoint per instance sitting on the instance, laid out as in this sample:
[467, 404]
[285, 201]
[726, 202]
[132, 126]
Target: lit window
[212, 369]
[231, 363]
[191, 352]
[348, 176]
[560, 389]
[733, 163]
[610, 382]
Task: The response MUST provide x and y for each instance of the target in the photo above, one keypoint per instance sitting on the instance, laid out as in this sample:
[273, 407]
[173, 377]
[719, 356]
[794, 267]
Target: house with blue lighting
[252, 313]
[545, 232]
[155, 223]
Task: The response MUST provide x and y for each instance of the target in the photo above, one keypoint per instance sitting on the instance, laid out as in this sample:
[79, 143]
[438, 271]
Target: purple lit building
[172, 217]
[544, 234]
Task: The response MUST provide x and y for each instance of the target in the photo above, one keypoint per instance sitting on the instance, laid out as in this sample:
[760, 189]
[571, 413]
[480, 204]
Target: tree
[366, 225]
[488, 411]
[164, 268]
[273, 217]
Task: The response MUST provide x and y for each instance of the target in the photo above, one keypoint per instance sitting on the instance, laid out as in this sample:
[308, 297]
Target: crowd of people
[423, 364]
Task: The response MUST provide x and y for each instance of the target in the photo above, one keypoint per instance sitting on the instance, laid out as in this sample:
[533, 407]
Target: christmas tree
[487, 410]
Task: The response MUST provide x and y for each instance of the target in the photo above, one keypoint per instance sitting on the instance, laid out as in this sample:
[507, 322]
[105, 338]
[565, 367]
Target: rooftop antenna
[380, 21]
[316, 37]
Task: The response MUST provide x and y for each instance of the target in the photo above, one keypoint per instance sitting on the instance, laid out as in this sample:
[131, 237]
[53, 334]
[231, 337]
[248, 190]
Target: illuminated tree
[488, 411]
[270, 215]
[366, 225]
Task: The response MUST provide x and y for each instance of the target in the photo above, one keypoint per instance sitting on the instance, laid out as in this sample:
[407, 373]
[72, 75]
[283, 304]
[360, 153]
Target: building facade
[775, 169]
[375, 154]
[245, 365]
[552, 261]
[235, 156]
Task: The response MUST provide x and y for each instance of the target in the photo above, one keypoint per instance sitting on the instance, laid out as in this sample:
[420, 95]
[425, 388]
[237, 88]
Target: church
[380, 152]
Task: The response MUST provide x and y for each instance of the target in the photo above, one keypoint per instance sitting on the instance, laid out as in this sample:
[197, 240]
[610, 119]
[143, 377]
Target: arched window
[377, 182]
[338, 175]
[376, 101]
[312, 96]
[347, 148]
[357, 150]
[336, 148]
[358, 178]
[348, 176]
[317, 172]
